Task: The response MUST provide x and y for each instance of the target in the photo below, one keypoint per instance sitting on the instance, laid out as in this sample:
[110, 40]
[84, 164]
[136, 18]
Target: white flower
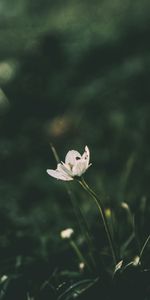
[81, 266]
[125, 205]
[75, 165]
[118, 266]
[136, 260]
[3, 278]
[66, 233]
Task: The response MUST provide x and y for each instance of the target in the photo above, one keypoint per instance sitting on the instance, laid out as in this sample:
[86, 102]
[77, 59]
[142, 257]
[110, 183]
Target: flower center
[70, 165]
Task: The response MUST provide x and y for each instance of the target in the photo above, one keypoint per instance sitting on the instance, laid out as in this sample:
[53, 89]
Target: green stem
[79, 254]
[55, 153]
[101, 211]
[82, 224]
[79, 215]
[145, 244]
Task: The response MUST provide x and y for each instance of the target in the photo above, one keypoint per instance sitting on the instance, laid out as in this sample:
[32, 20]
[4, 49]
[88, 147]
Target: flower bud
[66, 233]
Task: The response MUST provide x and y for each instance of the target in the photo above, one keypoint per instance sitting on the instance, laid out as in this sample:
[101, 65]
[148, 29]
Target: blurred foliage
[71, 73]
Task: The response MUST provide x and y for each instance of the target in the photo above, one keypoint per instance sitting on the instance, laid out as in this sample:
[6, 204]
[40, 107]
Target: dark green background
[73, 73]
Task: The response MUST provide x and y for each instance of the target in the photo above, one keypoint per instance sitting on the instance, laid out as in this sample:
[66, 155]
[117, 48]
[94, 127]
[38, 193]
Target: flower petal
[72, 157]
[75, 165]
[79, 168]
[59, 175]
[66, 168]
[86, 156]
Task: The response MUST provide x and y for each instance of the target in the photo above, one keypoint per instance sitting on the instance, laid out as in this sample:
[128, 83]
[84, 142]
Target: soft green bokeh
[71, 73]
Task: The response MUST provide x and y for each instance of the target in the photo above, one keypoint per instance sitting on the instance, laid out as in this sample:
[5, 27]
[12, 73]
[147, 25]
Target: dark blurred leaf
[14, 288]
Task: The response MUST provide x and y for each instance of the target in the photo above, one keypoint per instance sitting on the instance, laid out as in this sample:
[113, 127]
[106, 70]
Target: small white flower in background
[66, 233]
[118, 266]
[75, 165]
[3, 278]
[136, 260]
[81, 266]
[125, 205]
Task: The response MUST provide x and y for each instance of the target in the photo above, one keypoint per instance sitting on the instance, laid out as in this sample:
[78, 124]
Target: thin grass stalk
[79, 215]
[102, 214]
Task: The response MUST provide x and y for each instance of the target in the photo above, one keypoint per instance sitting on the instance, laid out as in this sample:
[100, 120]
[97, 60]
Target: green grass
[80, 77]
